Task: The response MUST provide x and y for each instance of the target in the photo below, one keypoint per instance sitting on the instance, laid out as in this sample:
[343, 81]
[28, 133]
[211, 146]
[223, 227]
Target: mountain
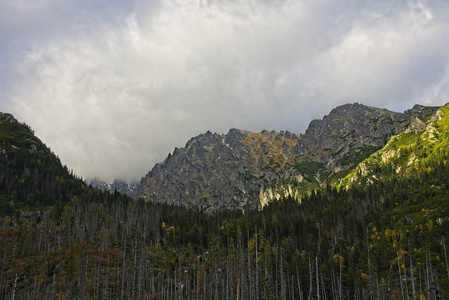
[376, 229]
[351, 131]
[123, 187]
[247, 170]
[221, 171]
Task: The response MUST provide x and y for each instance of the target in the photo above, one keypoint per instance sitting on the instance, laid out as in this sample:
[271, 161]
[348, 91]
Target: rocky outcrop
[237, 169]
[5, 117]
[347, 127]
[416, 125]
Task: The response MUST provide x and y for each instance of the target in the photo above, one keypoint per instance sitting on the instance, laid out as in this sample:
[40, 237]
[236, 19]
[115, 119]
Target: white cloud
[112, 94]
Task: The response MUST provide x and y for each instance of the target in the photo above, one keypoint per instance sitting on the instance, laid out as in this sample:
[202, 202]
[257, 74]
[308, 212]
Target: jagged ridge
[221, 171]
[246, 169]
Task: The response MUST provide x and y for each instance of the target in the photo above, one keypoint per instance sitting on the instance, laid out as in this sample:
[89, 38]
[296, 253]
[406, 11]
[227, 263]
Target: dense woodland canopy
[61, 239]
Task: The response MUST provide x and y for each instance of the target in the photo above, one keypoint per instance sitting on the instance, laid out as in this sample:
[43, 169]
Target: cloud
[114, 93]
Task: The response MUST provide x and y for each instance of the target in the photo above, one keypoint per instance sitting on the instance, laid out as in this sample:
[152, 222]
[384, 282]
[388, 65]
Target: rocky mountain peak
[420, 111]
[232, 170]
[347, 128]
[220, 170]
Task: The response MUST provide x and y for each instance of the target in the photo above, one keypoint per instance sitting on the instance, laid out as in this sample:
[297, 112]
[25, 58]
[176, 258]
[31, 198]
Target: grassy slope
[407, 154]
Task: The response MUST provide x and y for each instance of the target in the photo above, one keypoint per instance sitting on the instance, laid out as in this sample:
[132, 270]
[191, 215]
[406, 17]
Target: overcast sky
[112, 86]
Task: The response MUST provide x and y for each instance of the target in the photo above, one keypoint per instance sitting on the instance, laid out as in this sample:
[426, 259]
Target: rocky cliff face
[243, 169]
[351, 132]
[221, 171]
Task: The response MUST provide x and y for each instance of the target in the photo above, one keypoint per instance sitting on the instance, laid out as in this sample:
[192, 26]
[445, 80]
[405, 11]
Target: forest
[355, 244]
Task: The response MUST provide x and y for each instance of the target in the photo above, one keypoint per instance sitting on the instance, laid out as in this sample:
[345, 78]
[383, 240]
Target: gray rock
[216, 171]
[416, 125]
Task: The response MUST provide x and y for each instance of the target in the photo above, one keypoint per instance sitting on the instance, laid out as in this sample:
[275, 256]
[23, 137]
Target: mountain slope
[246, 169]
[353, 130]
[411, 153]
[31, 176]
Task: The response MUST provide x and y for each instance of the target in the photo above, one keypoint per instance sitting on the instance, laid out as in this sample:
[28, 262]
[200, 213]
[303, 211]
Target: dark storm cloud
[113, 86]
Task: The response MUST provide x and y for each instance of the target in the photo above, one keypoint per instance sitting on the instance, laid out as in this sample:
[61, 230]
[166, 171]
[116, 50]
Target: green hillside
[31, 176]
[407, 155]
